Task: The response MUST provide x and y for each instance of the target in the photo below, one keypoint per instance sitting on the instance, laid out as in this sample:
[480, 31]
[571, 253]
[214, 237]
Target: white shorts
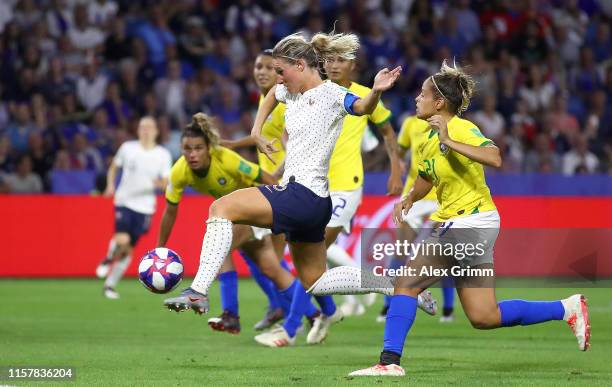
[259, 233]
[344, 206]
[418, 212]
[477, 229]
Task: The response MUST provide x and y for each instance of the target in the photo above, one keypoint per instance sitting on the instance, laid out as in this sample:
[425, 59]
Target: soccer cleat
[110, 293]
[272, 317]
[352, 309]
[188, 299]
[577, 317]
[103, 268]
[227, 322]
[382, 316]
[380, 370]
[276, 337]
[427, 303]
[321, 325]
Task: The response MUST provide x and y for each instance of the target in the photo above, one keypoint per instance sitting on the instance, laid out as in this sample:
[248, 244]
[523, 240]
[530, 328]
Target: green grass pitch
[134, 341]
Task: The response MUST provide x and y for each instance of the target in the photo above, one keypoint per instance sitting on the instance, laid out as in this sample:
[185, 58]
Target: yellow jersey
[345, 166]
[413, 133]
[273, 129]
[460, 182]
[226, 173]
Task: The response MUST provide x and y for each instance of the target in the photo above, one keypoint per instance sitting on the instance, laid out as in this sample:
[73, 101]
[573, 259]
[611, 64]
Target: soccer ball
[160, 270]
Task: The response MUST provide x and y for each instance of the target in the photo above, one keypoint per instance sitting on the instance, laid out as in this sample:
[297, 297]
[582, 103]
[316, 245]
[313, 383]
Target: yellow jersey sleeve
[471, 136]
[403, 138]
[380, 115]
[243, 170]
[177, 181]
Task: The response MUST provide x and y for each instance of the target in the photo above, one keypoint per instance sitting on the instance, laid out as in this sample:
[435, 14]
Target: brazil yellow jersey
[460, 182]
[273, 129]
[227, 172]
[413, 133]
[345, 167]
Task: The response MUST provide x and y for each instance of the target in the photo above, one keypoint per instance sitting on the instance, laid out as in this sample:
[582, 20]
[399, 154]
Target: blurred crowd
[75, 76]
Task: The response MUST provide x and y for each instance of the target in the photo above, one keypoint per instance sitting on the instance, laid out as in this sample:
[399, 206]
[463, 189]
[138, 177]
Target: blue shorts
[298, 212]
[131, 222]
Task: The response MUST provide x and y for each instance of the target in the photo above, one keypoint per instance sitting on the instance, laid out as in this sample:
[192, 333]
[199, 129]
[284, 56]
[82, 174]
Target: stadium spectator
[170, 92]
[489, 120]
[42, 160]
[195, 42]
[91, 86]
[117, 45]
[20, 127]
[579, 159]
[82, 34]
[542, 158]
[100, 12]
[156, 34]
[537, 91]
[23, 180]
[84, 156]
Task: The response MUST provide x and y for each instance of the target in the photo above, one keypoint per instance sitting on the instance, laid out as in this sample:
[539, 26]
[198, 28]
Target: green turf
[134, 341]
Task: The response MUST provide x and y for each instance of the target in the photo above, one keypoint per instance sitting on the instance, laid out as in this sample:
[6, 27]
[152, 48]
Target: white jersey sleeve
[119, 159]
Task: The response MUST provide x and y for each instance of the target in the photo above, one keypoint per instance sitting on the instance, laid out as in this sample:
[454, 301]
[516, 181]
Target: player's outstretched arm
[269, 103]
[240, 143]
[384, 80]
[167, 223]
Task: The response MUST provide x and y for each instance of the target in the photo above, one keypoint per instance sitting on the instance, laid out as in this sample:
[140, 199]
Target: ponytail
[455, 86]
[202, 126]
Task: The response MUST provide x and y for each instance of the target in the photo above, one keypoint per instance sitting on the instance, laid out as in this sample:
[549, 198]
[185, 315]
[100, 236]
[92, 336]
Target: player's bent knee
[123, 241]
[484, 320]
[219, 209]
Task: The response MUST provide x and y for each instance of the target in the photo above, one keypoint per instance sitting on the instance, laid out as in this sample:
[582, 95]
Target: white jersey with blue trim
[313, 121]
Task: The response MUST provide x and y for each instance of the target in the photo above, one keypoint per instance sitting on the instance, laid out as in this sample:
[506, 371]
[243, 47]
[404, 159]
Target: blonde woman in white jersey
[300, 206]
[145, 167]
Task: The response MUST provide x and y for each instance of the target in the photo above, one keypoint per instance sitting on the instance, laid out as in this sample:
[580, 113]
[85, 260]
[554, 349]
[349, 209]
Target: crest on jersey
[444, 149]
[222, 180]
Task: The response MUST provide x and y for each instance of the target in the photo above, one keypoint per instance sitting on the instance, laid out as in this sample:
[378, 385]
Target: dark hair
[455, 86]
[202, 126]
[266, 52]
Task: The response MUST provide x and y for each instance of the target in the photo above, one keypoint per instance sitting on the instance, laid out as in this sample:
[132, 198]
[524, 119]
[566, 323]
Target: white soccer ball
[160, 270]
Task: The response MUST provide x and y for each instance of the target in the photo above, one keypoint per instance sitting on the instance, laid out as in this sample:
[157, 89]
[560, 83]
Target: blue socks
[327, 304]
[286, 297]
[229, 291]
[394, 264]
[299, 307]
[266, 285]
[401, 314]
[448, 293]
[521, 312]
